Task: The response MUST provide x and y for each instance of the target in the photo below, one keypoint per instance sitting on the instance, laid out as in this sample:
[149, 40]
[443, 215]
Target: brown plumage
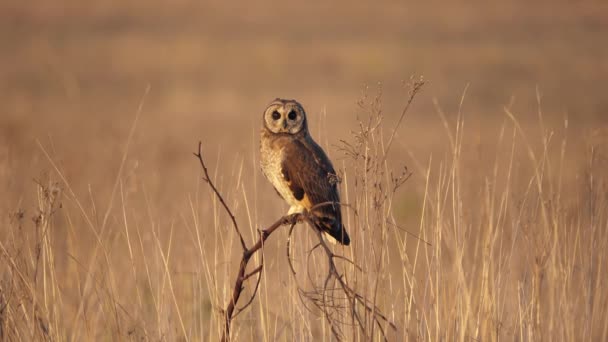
[299, 169]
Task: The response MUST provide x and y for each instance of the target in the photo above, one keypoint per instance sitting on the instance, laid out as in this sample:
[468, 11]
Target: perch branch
[231, 308]
[230, 312]
[325, 300]
[207, 179]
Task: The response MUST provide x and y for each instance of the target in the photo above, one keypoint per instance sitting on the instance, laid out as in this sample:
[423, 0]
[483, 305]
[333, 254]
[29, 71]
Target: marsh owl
[299, 169]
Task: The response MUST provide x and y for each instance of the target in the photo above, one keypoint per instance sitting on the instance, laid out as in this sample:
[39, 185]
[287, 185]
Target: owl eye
[292, 115]
[276, 115]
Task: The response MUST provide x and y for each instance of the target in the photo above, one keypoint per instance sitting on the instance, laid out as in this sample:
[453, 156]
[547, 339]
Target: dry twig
[232, 310]
[321, 298]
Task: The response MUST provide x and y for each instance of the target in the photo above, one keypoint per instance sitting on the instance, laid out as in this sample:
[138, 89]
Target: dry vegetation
[482, 215]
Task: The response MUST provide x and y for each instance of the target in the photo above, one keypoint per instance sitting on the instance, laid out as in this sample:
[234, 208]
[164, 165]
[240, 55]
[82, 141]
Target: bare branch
[293, 271]
[327, 297]
[334, 299]
[241, 276]
[207, 179]
[255, 271]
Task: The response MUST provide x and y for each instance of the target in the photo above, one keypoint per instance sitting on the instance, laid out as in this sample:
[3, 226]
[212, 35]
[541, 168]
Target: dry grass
[514, 250]
[108, 232]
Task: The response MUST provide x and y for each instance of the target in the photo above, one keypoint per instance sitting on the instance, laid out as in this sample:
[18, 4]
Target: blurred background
[73, 75]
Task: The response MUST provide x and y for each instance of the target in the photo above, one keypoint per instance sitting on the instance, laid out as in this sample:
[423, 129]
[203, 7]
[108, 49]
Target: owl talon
[293, 218]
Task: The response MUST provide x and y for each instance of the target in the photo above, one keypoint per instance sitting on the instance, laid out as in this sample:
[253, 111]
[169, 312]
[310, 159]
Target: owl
[299, 169]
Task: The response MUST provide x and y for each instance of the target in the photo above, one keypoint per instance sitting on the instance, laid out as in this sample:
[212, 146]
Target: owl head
[285, 116]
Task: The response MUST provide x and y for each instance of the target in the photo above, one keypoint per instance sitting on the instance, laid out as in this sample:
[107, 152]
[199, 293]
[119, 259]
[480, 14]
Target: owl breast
[271, 159]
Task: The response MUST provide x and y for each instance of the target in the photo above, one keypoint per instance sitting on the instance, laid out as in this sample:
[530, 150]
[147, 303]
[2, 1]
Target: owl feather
[299, 169]
[309, 174]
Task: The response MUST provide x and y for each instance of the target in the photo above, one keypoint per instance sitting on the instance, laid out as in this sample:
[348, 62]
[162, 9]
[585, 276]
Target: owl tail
[334, 233]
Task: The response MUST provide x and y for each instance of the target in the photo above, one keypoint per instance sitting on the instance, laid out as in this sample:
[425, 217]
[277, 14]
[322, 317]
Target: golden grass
[107, 231]
[512, 249]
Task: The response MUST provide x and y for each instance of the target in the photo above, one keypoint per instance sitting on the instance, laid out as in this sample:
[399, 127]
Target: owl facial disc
[285, 116]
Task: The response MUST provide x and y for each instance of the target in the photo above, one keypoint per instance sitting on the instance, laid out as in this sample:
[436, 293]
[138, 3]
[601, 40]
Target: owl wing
[312, 180]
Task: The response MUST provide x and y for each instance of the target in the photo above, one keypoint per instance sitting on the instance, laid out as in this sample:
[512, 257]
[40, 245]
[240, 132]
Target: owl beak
[284, 124]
